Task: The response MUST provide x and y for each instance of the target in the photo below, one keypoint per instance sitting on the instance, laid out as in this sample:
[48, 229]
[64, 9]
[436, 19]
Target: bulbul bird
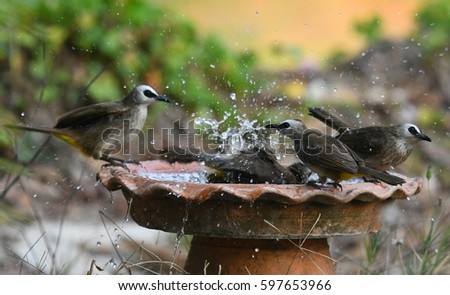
[381, 147]
[327, 156]
[253, 165]
[102, 129]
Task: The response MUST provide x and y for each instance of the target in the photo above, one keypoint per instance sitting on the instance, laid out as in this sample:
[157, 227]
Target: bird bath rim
[255, 211]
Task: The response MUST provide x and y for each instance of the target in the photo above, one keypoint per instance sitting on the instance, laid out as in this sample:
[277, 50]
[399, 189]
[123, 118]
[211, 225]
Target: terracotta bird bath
[251, 228]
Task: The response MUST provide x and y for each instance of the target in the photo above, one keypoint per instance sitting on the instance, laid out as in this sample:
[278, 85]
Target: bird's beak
[163, 98]
[423, 137]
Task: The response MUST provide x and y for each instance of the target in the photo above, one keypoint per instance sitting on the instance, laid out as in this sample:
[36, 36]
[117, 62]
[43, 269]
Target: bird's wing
[329, 153]
[265, 154]
[365, 141]
[89, 115]
[251, 168]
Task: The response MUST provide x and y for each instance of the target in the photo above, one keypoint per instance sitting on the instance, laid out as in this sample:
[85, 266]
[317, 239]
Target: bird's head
[412, 133]
[144, 94]
[292, 128]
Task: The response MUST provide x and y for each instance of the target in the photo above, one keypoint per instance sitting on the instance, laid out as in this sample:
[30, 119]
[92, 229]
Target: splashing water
[233, 139]
[196, 177]
[180, 234]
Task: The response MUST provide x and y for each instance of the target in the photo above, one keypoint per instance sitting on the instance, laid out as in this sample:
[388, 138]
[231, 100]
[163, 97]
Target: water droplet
[256, 250]
[99, 244]
[233, 96]
[212, 66]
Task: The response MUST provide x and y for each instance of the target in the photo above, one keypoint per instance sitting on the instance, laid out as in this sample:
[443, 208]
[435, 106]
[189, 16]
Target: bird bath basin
[250, 228]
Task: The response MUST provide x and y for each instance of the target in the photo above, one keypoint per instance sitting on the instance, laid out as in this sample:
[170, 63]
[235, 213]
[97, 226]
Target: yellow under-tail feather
[61, 134]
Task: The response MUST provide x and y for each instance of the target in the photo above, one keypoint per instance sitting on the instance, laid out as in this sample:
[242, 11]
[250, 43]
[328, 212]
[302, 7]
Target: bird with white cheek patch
[381, 147]
[103, 129]
[328, 156]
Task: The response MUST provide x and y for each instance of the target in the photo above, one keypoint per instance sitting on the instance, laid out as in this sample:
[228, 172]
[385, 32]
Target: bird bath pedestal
[252, 228]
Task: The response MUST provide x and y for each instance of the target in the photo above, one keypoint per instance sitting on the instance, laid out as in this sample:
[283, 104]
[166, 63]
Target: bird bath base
[258, 257]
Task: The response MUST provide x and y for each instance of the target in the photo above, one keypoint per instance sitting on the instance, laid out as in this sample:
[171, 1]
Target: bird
[101, 129]
[381, 147]
[248, 165]
[328, 156]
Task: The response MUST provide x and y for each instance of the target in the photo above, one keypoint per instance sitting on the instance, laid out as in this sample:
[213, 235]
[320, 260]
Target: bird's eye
[284, 125]
[149, 93]
[413, 130]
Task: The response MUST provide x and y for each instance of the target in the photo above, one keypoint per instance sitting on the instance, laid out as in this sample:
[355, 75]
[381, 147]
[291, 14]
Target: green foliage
[372, 247]
[10, 167]
[429, 254]
[370, 29]
[337, 57]
[9, 215]
[431, 257]
[433, 21]
[65, 44]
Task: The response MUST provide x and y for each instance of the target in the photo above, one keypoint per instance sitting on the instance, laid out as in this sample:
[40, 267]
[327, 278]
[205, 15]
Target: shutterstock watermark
[193, 140]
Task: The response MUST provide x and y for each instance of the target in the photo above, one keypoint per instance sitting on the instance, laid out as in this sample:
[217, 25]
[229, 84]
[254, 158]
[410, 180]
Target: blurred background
[374, 62]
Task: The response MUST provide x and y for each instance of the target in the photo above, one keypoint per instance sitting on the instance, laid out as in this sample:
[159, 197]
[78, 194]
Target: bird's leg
[320, 185]
[372, 180]
[314, 184]
[336, 185]
[113, 161]
[137, 162]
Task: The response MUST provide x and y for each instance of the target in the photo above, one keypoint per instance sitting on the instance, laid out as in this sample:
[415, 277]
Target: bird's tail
[61, 134]
[48, 130]
[381, 175]
[329, 119]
